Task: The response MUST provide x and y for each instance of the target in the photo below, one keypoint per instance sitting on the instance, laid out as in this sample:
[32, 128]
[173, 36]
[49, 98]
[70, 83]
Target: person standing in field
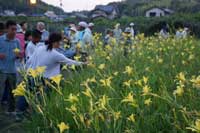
[45, 33]
[47, 56]
[132, 29]
[9, 52]
[24, 26]
[117, 32]
[32, 45]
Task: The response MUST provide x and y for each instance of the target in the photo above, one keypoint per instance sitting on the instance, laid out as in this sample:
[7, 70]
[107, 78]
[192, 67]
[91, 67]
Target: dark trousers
[8, 83]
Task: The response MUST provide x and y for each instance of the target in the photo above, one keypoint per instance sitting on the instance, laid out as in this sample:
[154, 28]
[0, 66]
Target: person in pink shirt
[20, 35]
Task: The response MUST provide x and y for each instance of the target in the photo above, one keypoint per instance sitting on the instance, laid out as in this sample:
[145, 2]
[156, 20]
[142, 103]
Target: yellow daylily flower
[87, 92]
[20, 90]
[179, 91]
[32, 72]
[129, 99]
[145, 79]
[62, 127]
[40, 70]
[148, 102]
[196, 82]
[16, 50]
[117, 115]
[106, 82]
[72, 98]
[102, 66]
[103, 102]
[146, 90]
[92, 80]
[131, 118]
[195, 127]
[181, 77]
[72, 109]
[57, 79]
[73, 67]
[139, 82]
[116, 73]
[78, 46]
[77, 58]
[128, 70]
[127, 83]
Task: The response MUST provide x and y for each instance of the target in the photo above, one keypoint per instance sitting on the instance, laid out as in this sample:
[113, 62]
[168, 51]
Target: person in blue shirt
[9, 52]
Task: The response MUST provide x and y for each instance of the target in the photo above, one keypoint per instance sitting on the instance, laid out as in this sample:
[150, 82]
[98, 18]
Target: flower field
[149, 86]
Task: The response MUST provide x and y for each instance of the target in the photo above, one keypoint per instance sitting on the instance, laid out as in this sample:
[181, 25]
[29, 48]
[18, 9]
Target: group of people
[180, 32]
[117, 33]
[22, 49]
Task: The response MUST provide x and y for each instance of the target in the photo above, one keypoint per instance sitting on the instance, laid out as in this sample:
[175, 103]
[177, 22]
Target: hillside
[23, 6]
[138, 7]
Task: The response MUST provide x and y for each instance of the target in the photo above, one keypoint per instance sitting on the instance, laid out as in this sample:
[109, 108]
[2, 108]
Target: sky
[78, 5]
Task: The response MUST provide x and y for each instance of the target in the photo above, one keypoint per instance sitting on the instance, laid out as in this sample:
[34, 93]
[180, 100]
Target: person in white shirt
[47, 56]
[132, 29]
[32, 45]
[117, 32]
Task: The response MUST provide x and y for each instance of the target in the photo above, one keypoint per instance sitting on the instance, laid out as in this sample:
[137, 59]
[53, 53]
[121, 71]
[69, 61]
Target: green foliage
[138, 7]
[161, 64]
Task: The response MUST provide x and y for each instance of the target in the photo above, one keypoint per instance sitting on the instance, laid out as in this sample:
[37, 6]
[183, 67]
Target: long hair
[54, 37]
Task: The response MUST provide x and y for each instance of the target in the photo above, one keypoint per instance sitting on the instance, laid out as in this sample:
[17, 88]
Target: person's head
[24, 25]
[127, 30]
[28, 36]
[117, 26]
[54, 41]
[11, 27]
[91, 25]
[2, 28]
[109, 32]
[132, 24]
[36, 36]
[73, 30]
[40, 26]
[82, 26]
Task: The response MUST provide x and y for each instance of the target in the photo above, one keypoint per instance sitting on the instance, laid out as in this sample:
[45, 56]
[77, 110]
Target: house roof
[166, 10]
[108, 8]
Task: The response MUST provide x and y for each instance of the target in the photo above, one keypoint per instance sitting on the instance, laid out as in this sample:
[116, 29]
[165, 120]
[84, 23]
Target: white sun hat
[83, 24]
[132, 24]
[91, 25]
[73, 29]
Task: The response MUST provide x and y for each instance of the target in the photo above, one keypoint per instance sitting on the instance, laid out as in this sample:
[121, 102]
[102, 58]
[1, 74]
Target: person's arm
[62, 59]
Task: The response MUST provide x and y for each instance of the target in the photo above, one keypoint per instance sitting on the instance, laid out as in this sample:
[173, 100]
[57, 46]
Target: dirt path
[9, 125]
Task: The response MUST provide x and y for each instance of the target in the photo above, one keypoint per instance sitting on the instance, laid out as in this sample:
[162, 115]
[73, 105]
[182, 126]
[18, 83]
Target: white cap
[132, 24]
[83, 24]
[73, 29]
[91, 25]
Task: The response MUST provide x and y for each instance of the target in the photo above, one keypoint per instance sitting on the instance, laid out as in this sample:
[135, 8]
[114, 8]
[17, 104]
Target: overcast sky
[75, 5]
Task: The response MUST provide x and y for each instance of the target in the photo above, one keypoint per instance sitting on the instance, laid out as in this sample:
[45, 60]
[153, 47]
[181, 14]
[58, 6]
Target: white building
[9, 13]
[158, 12]
[50, 14]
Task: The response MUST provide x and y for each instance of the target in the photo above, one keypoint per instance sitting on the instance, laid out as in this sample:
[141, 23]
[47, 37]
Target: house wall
[158, 12]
